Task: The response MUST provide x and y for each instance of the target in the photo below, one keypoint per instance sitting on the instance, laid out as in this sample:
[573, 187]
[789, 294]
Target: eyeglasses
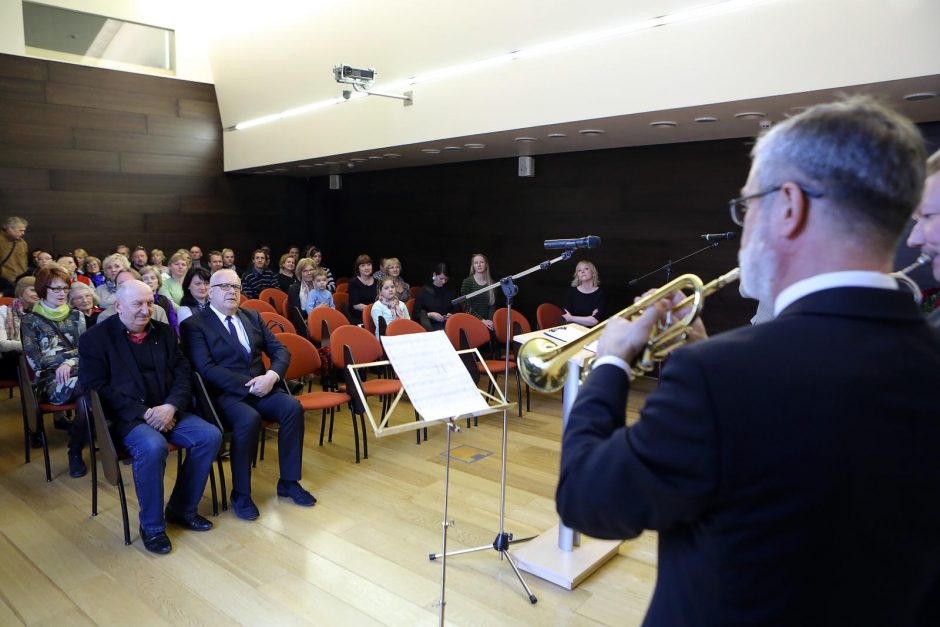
[738, 206]
[58, 289]
[228, 287]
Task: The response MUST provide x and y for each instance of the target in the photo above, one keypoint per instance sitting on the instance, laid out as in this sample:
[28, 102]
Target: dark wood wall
[93, 158]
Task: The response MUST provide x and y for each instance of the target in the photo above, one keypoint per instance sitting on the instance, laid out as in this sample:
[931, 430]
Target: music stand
[439, 387]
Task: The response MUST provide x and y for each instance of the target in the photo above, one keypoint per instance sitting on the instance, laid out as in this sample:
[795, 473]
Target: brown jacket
[15, 265]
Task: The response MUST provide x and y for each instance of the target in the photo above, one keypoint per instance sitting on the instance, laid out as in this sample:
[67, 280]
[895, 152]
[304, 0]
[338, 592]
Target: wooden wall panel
[93, 158]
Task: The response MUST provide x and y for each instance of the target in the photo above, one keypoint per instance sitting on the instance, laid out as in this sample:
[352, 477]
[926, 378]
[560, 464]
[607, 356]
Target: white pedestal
[542, 557]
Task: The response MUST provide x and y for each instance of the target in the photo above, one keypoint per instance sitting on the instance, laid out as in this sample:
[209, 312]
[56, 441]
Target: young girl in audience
[484, 305]
[93, 270]
[154, 280]
[362, 286]
[195, 293]
[319, 295]
[388, 305]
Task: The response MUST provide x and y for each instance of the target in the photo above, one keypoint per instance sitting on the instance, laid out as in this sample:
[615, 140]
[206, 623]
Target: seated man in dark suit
[144, 381]
[791, 468]
[225, 343]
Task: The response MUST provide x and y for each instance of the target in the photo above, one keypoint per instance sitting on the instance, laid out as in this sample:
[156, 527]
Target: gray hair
[78, 286]
[118, 257]
[864, 158]
[13, 221]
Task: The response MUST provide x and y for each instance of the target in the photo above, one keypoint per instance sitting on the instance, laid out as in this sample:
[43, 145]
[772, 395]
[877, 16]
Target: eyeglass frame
[740, 204]
[227, 287]
[59, 289]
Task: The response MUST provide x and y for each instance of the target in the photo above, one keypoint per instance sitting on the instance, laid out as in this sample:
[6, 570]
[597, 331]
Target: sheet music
[434, 377]
[565, 333]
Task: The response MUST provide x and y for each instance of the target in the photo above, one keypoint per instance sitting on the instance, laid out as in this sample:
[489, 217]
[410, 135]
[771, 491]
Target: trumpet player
[926, 232]
[791, 468]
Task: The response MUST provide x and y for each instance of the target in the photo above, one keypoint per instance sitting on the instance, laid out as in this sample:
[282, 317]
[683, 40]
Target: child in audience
[319, 295]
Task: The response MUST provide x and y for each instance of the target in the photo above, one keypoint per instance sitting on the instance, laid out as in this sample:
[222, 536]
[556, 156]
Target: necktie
[233, 332]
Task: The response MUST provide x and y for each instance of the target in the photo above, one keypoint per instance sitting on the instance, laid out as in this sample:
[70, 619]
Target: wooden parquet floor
[359, 557]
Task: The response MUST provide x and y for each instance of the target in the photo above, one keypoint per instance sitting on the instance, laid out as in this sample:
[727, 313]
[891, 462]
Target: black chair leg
[218, 462]
[127, 527]
[215, 495]
[355, 435]
[45, 450]
[519, 392]
[323, 423]
[93, 460]
[365, 443]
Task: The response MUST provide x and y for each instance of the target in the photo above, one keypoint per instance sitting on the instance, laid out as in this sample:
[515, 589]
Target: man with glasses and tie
[224, 344]
[791, 469]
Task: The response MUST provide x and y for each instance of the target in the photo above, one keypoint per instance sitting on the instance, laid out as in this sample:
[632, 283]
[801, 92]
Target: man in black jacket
[143, 379]
[790, 468]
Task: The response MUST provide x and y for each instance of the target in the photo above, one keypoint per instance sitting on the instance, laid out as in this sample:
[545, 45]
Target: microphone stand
[667, 267]
[503, 539]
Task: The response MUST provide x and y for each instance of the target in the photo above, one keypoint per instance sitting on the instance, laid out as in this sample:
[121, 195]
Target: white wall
[188, 19]
[270, 62]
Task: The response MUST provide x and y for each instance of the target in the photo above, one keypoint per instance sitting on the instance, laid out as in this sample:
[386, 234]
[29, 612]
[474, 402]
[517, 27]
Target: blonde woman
[85, 300]
[392, 269]
[173, 285]
[113, 264]
[299, 292]
[11, 344]
[484, 305]
[585, 303]
[155, 281]
[92, 267]
[156, 260]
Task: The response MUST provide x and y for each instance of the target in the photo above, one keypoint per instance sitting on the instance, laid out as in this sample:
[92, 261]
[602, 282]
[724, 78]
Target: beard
[757, 262]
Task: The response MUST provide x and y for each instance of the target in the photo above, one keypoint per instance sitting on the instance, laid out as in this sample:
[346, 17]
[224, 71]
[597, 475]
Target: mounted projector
[358, 77]
[362, 80]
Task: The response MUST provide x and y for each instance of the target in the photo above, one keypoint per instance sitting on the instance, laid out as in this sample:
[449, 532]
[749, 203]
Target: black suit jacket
[792, 469]
[108, 366]
[221, 359]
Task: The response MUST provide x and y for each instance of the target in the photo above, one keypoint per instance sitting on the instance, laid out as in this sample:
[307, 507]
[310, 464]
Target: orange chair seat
[381, 387]
[49, 407]
[322, 400]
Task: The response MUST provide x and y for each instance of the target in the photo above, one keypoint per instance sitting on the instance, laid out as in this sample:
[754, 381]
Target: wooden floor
[359, 557]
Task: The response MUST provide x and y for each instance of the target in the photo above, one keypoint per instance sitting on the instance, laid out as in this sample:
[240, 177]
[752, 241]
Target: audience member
[138, 258]
[144, 382]
[286, 276]
[159, 313]
[155, 281]
[362, 287]
[156, 260]
[13, 252]
[224, 343]
[392, 268]
[67, 261]
[299, 292]
[176, 272]
[484, 305]
[228, 259]
[195, 256]
[314, 253]
[195, 293]
[258, 277]
[11, 343]
[388, 305]
[84, 299]
[215, 261]
[122, 249]
[113, 264]
[93, 270]
[585, 303]
[433, 303]
[80, 255]
[319, 296]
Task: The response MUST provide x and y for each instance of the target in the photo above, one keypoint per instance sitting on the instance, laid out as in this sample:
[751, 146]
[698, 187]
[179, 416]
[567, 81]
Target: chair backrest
[274, 297]
[107, 453]
[519, 324]
[28, 392]
[277, 323]
[341, 300]
[367, 318]
[257, 305]
[404, 327]
[299, 320]
[549, 315]
[477, 333]
[304, 357]
[343, 280]
[342, 288]
[242, 298]
[362, 344]
[410, 304]
[6, 300]
[333, 318]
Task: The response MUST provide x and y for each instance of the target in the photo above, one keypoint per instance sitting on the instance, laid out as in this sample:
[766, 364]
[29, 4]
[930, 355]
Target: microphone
[588, 241]
[709, 237]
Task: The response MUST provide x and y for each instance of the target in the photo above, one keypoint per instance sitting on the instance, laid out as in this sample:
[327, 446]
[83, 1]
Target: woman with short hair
[85, 300]
[11, 343]
[156, 260]
[50, 335]
[92, 268]
[433, 303]
[316, 255]
[195, 293]
[107, 290]
[392, 269]
[362, 292]
[172, 287]
[287, 276]
[154, 280]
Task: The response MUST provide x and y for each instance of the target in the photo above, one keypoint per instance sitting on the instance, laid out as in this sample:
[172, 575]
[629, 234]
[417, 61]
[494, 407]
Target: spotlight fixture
[591, 132]
[921, 95]
[750, 115]
[664, 124]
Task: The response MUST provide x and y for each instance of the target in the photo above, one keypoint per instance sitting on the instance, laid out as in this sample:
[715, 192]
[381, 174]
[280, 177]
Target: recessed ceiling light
[317, 165]
[921, 95]
[453, 148]
[706, 119]
[591, 132]
[331, 163]
[306, 165]
[664, 124]
[357, 159]
[474, 146]
[374, 157]
[526, 139]
[557, 135]
[391, 155]
[279, 170]
[750, 115]
[430, 151]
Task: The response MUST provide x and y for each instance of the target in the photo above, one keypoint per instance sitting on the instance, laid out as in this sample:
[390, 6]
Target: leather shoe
[35, 440]
[244, 507]
[194, 522]
[77, 466]
[156, 541]
[294, 491]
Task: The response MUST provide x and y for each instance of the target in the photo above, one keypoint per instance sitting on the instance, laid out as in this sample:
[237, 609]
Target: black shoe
[60, 422]
[244, 507]
[194, 522]
[156, 541]
[295, 387]
[294, 491]
[77, 466]
[35, 440]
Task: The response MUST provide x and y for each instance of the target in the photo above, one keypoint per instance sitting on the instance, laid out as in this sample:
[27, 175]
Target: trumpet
[542, 361]
[901, 277]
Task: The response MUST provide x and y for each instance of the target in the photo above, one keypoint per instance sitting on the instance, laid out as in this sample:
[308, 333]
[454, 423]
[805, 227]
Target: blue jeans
[149, 450]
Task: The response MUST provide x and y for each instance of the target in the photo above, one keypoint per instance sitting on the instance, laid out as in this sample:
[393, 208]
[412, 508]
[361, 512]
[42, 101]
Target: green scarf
[57, 314]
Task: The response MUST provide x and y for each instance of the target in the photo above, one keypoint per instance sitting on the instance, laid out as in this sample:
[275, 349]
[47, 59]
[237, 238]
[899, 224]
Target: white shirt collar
[828, 280]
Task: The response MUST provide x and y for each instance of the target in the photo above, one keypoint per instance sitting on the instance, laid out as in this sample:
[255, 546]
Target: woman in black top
[361, 286]
[432, 305]
[286, 276]
[586, 302]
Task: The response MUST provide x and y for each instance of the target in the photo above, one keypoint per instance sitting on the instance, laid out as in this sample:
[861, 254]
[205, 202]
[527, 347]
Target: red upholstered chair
[274, 297]
[404, 327]
[367, 323]
[321, 323]
[414, 291]
[462, 326]
[258, 305]
[342, 288]
[341, 300]
[549, 315]
[6, 300]
[33, 412]
[520, 325]
[277, 323]
[354, 345]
